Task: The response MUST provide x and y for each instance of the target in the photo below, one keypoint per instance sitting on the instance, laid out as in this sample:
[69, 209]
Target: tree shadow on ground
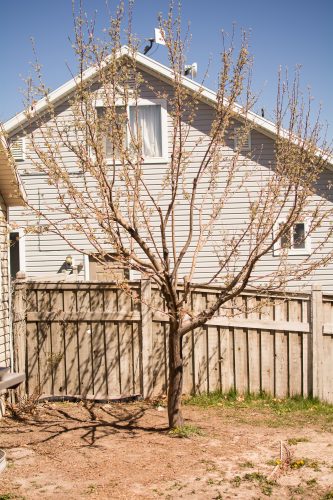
[88, 421]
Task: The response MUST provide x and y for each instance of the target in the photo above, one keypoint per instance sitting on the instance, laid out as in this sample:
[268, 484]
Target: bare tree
[162, 227]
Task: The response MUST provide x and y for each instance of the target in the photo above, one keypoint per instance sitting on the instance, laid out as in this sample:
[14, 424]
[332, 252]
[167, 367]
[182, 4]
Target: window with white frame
[295, 241]
[145, 120]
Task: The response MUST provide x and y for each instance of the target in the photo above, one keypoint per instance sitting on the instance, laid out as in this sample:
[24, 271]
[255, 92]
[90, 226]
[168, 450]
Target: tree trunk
[175, 378]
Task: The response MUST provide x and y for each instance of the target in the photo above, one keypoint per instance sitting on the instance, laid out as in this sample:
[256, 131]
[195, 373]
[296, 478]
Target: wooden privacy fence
[96, 340]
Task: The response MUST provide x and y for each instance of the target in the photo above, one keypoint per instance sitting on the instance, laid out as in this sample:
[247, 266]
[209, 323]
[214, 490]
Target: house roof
[11, 188]
[261, 124]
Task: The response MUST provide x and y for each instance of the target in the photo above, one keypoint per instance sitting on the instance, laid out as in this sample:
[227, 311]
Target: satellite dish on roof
[158, 39]
[159, 36]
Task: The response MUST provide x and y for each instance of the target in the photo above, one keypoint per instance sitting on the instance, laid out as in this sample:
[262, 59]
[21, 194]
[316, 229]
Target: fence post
[146, 338]
[19, 325]
[317, 321]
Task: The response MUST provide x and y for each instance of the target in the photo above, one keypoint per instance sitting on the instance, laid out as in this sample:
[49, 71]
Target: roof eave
[263, 125]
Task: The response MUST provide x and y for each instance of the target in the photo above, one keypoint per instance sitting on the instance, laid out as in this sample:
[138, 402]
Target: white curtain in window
[148, 119]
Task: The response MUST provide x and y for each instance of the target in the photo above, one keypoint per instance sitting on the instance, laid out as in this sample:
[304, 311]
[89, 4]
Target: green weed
[185, 431]
[312, 464]
[177, 485]
[158, 492]
[255, 476]
[92, 488]
[236, 481]
[297, 464]
[263, 482]
[297, 490]
[294, 441]
[214, 482]
[11, 496]
[311, 482]
[328, 495]
[209, 465]
[246, 465]
[305, 462]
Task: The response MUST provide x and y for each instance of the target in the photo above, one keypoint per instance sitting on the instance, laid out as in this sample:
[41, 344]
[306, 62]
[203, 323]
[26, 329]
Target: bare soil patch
[124, 451]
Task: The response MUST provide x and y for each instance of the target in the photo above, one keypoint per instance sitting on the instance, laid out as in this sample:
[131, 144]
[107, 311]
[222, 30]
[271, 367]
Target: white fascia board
[261, 124]
[58, 94]
[206, 93]
[19, 119]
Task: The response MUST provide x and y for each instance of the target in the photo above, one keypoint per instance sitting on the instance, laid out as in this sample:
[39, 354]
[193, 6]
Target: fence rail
[97, 340]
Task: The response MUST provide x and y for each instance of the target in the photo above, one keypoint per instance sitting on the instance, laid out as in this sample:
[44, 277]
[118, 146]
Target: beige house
[43, 254]
[11, 195]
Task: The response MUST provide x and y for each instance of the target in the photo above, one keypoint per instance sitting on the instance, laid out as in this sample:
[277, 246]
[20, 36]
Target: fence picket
[70, 335]
[295, 346]
[306, 351]
[187, 350]
[281, 364]
[158, 361]
[112, 360]
[200, 347]
[32, 359]
[226, 360]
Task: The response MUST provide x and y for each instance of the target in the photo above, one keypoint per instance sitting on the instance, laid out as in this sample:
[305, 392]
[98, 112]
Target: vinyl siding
[46, 253]
[4, 304]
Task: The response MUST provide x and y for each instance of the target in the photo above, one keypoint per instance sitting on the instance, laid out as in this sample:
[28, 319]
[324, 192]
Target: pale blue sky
[283, 33]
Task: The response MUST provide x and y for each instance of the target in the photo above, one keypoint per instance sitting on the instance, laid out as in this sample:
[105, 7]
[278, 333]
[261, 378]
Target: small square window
[296, 241]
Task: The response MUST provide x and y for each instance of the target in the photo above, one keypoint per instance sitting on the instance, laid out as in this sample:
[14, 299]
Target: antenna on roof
[148, 47]
[191, 69]
[158, 39]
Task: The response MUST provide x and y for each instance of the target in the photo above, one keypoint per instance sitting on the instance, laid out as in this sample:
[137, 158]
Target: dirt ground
[124, 451]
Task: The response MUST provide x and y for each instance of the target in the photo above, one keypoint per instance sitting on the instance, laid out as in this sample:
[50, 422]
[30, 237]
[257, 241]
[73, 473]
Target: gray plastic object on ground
[4, 371]
[11, 380]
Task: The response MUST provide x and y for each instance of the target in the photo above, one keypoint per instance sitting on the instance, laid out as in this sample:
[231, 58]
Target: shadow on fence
[96, 340]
